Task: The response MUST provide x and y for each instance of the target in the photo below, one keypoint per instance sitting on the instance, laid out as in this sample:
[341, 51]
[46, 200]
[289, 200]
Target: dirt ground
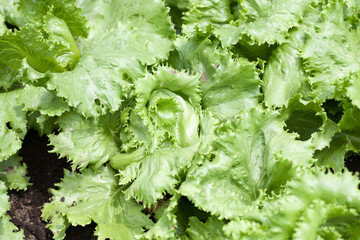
[45, 169]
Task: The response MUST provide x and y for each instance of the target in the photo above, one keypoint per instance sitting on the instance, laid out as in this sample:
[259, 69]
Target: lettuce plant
[211, 119]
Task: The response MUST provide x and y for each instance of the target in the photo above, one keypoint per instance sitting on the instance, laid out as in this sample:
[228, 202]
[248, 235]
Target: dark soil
[44, 170]
[352, 163]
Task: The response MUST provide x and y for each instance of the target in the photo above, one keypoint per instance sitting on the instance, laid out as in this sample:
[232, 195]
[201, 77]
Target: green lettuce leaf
[35, 10]
[263, 21]
[211, 229]
[9, 9]
[349, 126]
[164, 228]
[333, 156]
[12, 124]
[159, 173]
[7, 229]
[252, 156]
[39, 99]
[13, 173]
[3, 27]
[269, 21]
[244, 229]
[315, 205]
[203, 14]
[284, 75]
[86, 141]
[168, 102]
[27, 43]
[106, 54]
[149, 19]
[94, 196]
[228, 85]
[330, 54]
[34, 50]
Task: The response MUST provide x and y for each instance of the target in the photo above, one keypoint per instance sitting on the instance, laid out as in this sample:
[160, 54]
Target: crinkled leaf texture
[158, 173]
[13, 173]
[94, 196]
[266, 21]
[108, 61]
[7, 229]
[253, 155]
[168, 102]
[40, 99]
[38, 49]
[316, 205]
[86, 141]
[284, 75]
[34, 11]
[228, 86]
[330, 54]
[12, 124]
[212, 229]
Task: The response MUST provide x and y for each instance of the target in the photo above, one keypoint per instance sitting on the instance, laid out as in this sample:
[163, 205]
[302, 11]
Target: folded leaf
[319, 203]
[94, 196]
[168, 102]
[12, 124]
[330, 54]
[39, 99]
[212, 229]
[34, 11]
[228, 86]
[7, 229]
[252, 156]
[86, 141]
[13, 173]
[159, 173]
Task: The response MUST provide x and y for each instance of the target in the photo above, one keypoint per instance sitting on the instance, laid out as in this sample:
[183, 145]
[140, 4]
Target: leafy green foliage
[186, 119]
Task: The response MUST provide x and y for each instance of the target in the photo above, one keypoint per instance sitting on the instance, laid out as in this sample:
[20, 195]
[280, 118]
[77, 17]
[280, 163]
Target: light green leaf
[12, 124]
[34, 50]
[228, 86]
[245, 230]
[306, 118]
[284, 75]
[148, 18]
[168, 103]
[253, 155]
[3, 27]
[165, 225]
[86, 141]
[212, 229]
[333, 156]
[10, 143]
[330, 53]
[202, 14]
[35, 10]
[4, 199]
[9, 9]
[30, 44]
[7, 229]
[264, 21]
[13, 173]
[38, 98]
[94, 196]
[159, 173]
[106, 54]
[270, 20]
[315, 201]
